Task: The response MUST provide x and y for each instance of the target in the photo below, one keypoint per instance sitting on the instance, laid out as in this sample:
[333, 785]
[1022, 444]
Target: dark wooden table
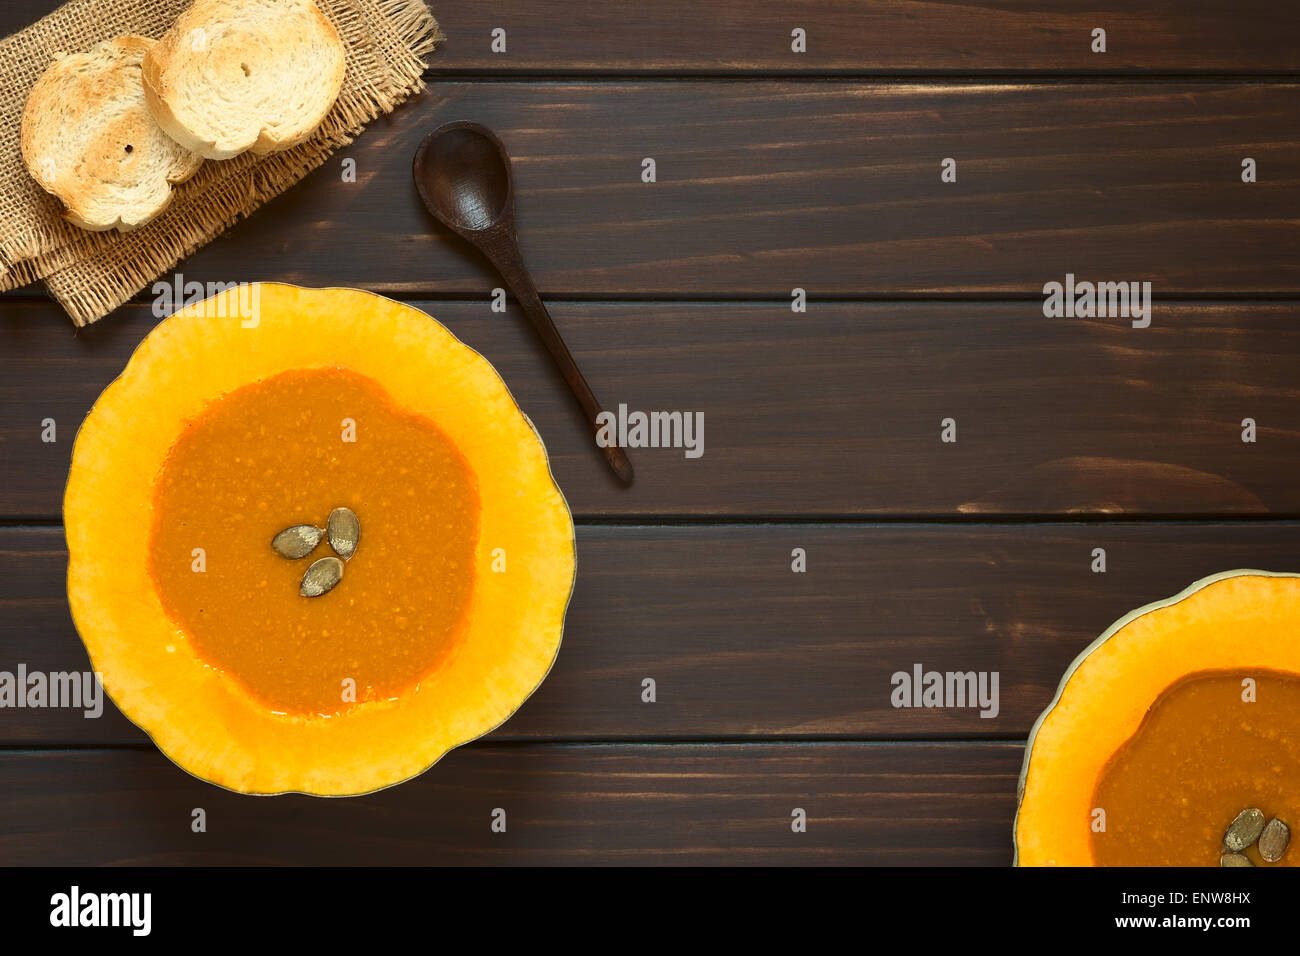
[775, 170]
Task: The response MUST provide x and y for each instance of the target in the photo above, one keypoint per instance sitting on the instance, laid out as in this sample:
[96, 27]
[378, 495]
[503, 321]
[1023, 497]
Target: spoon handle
[503, 250]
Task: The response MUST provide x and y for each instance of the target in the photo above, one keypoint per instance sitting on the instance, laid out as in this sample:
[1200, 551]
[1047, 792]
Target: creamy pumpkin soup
[1210, 778]
[315, 542]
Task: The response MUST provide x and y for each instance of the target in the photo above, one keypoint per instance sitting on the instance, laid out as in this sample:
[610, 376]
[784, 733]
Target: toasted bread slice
[232, 75]
[88, 138]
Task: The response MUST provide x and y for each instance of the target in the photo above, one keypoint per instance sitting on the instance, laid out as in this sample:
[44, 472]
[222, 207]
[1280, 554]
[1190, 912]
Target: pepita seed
[1244, 831]
[298, 541]
[1235, 859]
[344, 532]
[1273, 841]
[321, 577]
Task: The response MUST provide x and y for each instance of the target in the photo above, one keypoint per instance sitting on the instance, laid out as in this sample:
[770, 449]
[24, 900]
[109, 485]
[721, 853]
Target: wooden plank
[739, 646]
[900, 804]
[834, 412]
[833, 187]
[738, 36]
[895, 36]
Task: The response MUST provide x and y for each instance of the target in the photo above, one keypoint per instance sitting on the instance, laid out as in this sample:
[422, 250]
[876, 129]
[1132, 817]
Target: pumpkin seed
[298, 541]
[1234, 859]
[344, 532]
[1244, 830]
[1273, 841]
[321, 577]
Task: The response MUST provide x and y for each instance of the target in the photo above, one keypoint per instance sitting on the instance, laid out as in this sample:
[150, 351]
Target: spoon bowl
[462, 171]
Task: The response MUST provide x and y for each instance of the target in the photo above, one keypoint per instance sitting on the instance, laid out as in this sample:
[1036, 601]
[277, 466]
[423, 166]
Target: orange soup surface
[285, 451]
[1200, 757]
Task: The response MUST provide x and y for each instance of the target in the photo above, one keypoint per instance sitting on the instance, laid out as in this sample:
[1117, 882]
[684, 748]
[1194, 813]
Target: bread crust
[237, 75]
[88, 138]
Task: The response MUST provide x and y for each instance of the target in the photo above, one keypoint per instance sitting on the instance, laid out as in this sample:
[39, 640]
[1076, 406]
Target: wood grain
[851, 36]
[905, 804]
[830, 413]
[833, 187]
[893, 36]
[739, 646]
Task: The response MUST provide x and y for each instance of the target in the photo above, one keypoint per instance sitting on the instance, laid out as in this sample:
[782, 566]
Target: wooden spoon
[462, 172]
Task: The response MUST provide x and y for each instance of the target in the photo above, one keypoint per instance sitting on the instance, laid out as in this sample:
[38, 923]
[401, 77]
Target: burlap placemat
[92, 273]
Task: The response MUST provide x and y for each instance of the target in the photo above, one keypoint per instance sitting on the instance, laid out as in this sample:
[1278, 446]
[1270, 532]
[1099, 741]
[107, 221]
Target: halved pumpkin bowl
[267, 406]
[1190, 659]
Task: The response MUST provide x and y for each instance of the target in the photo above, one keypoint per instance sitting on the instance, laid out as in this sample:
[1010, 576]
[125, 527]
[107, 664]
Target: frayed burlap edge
[91, 278]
